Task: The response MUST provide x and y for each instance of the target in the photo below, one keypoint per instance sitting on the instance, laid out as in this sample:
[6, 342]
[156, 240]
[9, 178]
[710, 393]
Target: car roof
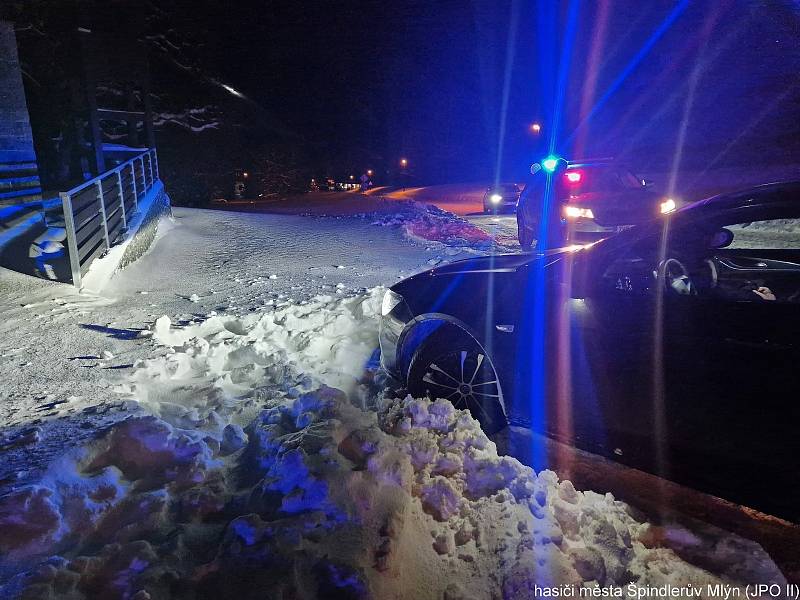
[767, 193]
[595, 163]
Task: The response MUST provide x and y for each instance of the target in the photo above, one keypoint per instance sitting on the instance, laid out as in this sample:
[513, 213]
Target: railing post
[144, 177]
[133, 181]
[150, 163]
[72, 241]
[99, 184]
[121, 200]
[155, 158]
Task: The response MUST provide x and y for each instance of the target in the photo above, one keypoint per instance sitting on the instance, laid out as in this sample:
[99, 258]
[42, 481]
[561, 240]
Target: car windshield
[600, 178]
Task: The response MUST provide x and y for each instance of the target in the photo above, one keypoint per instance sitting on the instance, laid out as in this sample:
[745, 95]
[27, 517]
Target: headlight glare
[667, 206]
[575, 212]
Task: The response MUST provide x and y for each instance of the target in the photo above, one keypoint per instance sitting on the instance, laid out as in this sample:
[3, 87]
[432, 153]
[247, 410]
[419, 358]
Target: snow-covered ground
[212, 424]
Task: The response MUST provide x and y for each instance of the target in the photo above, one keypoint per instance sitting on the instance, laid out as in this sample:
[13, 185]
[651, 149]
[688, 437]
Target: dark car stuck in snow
[672, 346]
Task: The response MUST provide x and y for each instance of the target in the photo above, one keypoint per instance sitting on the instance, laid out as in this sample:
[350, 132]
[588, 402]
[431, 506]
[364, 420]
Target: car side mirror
[535, 168]
[721, 238]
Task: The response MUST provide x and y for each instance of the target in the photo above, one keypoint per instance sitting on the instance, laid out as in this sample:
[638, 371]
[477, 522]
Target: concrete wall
[19, 179]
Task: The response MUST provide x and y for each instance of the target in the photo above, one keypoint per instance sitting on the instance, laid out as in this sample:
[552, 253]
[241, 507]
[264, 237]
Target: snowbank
[140, 234]
[428, 223]
[274, 466]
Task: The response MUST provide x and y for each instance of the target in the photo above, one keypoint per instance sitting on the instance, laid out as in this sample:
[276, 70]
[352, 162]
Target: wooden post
[72, 242]
[121, 199]
[90, 89]
[149, 130]
[132, 123]
[99, 185]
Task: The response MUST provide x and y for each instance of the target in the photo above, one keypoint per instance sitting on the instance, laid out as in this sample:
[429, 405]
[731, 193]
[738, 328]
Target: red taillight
[573, 176]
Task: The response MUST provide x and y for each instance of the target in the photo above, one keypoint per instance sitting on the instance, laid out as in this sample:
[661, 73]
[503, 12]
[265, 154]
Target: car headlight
[667, 206]
[390, 301]
[495, 198]
[574, 212]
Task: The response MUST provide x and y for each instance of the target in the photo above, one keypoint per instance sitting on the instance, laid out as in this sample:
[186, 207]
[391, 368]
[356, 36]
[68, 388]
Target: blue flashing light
[550, 163]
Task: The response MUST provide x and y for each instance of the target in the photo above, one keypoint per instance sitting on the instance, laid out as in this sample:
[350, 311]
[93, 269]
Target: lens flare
[550, 163]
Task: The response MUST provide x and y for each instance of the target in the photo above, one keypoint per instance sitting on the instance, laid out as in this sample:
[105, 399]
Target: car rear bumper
[591, 230]
[501, 206]
[589, 226]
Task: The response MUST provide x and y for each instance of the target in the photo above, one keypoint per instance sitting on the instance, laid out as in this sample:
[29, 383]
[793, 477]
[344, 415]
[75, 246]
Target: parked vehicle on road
[591, 199]
[501, 198]
[672, 346]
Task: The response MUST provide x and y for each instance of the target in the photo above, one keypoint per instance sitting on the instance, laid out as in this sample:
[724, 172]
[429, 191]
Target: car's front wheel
[462, 374]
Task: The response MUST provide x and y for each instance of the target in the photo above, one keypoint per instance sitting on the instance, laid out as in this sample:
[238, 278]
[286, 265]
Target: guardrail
[99, 210]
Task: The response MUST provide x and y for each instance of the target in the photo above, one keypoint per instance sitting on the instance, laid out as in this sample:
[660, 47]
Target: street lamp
[369, 172]
[403, 163]
[536, 128]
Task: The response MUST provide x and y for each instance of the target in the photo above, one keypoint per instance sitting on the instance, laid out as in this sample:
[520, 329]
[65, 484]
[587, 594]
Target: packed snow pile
[428, 223]
[225, 362]
[273, 466]
[318, 498]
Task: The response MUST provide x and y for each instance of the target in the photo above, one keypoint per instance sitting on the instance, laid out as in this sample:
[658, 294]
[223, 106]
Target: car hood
[627, 207]
[498, 263]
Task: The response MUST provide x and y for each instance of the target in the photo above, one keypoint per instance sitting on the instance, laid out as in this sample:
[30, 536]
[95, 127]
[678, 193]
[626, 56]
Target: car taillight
[573, 176]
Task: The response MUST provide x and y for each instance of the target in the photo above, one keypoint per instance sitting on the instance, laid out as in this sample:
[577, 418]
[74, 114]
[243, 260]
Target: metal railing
[99, 210]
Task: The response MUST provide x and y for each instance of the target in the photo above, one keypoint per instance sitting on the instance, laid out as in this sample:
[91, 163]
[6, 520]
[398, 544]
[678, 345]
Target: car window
[761, 263]
[602, 179]
[769, 234]
[629, 180]
[741, 260]
[629, 269]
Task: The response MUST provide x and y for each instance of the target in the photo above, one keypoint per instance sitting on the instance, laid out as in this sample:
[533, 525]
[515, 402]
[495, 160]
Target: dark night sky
[369, 82]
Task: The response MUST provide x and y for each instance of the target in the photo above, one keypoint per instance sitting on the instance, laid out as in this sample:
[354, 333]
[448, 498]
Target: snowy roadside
[441, 230]
[400, 498]
[62, 353]
[448, 234]
[261, 455]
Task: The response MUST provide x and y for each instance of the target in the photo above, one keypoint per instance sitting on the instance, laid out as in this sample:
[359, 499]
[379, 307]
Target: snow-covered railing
[97, 211]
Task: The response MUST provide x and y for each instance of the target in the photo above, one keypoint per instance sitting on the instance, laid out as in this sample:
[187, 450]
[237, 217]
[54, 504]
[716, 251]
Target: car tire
[458, 370]
[524, 232]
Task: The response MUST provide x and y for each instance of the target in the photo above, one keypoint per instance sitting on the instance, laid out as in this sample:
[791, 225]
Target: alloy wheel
[468, 380]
